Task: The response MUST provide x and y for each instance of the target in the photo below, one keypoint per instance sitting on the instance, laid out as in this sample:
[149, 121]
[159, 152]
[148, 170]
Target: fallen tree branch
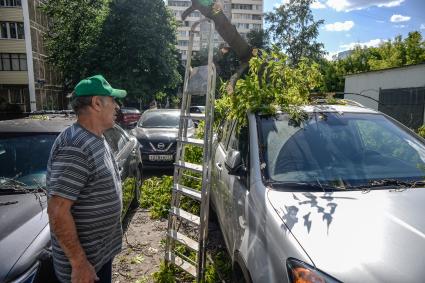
[235, 77]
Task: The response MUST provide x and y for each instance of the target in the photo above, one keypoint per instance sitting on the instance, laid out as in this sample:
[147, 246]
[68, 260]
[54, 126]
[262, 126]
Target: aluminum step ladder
[194, 84]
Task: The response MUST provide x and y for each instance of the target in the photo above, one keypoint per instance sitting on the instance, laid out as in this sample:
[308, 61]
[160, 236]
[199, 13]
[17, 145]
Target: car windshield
[23, 158]
[339, 150]
[159, 119]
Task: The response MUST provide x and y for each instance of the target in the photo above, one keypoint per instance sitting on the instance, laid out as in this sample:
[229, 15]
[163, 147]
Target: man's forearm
[63, 226]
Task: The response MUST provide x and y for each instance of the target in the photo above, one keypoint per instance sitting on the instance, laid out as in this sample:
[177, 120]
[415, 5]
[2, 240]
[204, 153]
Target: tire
[136, 199]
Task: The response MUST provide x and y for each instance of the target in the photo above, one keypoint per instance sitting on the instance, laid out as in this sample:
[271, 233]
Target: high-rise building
[27, 82]
[245, 15]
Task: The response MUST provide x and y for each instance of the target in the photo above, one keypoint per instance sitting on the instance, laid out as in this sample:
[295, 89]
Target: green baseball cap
[97, 86]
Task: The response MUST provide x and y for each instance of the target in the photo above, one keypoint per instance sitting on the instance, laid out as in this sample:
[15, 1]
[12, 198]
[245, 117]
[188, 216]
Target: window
[12, 30]
[179, 3]
[351, 149]
[13, 62]
[242, 26]
[243, 6]
[16, 96]
[256, 17]
[239, 140]
[256, 26]
[225, 132]
[10, 3]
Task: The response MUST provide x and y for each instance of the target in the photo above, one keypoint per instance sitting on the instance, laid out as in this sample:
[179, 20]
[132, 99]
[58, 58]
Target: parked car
[157, 134]
[198, 110]
[25, 144]
[128, 117]
[337, 198]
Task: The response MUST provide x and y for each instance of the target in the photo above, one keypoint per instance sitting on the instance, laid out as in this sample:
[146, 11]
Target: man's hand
[83, 272]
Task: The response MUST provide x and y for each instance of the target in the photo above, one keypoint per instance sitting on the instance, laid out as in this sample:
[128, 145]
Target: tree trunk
[224, 28]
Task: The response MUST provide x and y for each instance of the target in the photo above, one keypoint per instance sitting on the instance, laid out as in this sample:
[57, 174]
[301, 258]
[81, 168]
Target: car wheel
[136, 199]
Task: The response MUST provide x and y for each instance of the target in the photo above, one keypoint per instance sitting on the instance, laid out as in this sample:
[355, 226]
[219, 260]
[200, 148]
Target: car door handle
[219, 166]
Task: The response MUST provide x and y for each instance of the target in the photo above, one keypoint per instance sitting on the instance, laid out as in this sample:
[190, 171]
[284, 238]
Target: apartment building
[245, 15]
[27, 82]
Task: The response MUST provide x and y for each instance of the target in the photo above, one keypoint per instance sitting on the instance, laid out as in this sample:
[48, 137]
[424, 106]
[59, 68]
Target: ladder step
[191, 141]
[183, 239]
[189, 166]
[182, 214]
[188, 191]
[194, 116]
[186, 266]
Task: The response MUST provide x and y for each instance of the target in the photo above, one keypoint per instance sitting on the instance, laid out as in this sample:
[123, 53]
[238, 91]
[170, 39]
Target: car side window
[239, 140]
[226, 133]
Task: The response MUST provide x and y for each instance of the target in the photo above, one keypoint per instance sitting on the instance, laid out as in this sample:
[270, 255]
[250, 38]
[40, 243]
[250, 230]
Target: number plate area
[161, 157]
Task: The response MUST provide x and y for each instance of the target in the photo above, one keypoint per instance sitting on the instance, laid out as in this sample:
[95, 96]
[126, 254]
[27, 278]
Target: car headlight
[28, 276]
[300, 272]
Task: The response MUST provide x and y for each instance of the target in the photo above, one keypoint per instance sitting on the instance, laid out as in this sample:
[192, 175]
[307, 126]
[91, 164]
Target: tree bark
[224, 28]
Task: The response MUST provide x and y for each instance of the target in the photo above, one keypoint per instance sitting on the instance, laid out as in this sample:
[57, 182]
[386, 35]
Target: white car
[337, 198]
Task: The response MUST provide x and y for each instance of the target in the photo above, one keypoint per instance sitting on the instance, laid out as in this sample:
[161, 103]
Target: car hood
[166, 134]
[355, 236]
[23, 217]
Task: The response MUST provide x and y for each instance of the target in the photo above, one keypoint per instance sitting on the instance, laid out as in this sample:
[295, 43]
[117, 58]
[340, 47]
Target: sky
[364, 22]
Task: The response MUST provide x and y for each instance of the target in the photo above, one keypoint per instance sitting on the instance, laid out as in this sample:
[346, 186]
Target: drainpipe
[28, 48]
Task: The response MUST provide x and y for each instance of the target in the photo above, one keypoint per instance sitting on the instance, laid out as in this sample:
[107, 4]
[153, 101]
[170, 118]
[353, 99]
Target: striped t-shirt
[82, 168]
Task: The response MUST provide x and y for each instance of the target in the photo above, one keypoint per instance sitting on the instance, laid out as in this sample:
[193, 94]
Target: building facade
[27, 82]
[245, 15]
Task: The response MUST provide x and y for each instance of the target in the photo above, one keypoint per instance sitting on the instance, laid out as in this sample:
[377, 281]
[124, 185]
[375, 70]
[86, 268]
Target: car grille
[158, 146]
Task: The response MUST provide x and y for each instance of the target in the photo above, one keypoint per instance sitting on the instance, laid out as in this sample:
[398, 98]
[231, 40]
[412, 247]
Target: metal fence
[404, 104]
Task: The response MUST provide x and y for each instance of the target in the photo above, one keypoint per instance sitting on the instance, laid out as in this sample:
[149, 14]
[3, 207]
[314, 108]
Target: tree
[74, 29]
[295, 31]
[392, 53]
[258, 39]
[136, 49]
[415, 48]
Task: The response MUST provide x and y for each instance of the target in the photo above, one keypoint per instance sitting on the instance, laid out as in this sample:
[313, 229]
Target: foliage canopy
[121, 39]
[272, 84]
[294, 29]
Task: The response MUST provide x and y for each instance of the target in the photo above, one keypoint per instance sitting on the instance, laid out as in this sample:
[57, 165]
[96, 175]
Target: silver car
[336, 198]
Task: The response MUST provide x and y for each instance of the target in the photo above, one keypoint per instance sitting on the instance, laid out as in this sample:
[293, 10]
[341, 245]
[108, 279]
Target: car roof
[130, 109]
[36, 125]
[162, 111]
[338, 108]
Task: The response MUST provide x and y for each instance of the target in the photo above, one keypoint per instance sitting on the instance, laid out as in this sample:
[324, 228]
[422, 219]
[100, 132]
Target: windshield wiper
[306, 186]
[388, 183]
[9, 185]
[4, 181]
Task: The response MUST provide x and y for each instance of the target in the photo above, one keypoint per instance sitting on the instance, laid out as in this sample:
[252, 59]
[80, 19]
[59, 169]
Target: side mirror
[233, 163]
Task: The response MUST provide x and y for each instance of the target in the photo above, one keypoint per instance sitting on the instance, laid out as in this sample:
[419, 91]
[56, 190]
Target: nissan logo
[160, 145]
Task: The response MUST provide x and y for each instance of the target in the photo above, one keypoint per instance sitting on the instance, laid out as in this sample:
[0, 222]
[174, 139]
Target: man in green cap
[84, 188]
